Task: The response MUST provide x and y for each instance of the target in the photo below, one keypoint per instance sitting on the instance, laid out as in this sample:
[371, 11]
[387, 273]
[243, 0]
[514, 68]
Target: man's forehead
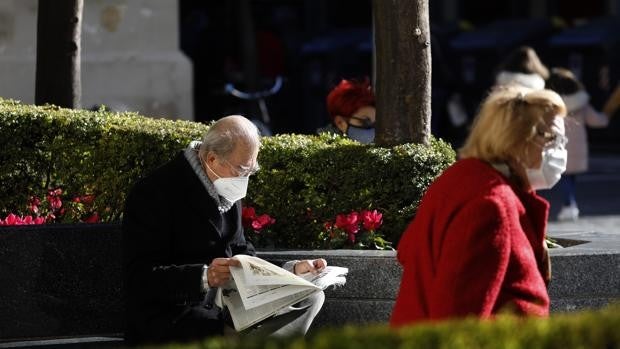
[244, 152]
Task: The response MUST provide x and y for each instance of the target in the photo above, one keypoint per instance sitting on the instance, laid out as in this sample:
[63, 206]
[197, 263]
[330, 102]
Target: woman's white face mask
[551, 168]
[554, 157]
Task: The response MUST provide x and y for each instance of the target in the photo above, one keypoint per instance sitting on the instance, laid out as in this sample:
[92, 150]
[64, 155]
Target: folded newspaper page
[259, 289]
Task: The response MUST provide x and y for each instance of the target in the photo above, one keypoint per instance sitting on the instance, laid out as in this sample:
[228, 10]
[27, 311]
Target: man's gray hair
[224, 134]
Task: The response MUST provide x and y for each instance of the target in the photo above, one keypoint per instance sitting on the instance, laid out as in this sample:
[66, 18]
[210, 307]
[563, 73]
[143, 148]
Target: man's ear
[341, 123]
[210, 158]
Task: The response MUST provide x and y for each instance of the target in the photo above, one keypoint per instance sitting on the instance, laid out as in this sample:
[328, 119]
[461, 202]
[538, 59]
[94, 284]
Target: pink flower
[55, 202]
[12, 219]
[372, 220]
[348, 223]
[262, 221]
[34, 203]
[27, 220]
[53, 197]
[55, 192]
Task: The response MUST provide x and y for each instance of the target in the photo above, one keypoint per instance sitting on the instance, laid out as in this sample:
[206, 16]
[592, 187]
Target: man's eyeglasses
[243, 171]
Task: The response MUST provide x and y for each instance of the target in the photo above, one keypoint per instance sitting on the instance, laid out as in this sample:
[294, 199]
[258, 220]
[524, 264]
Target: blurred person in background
[522, 67]
[580, 114]
[351, 108]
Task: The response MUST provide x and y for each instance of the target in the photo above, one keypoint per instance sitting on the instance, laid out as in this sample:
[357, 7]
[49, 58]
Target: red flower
[329, 226]
[262, 221]
[87, 199]
[372, 220]
[94, 218]
[251, 220]
[27, 220]
[55, 202]
[34, 203]
[12, 219]
[348, 223]
[55, 192]
[248, 214]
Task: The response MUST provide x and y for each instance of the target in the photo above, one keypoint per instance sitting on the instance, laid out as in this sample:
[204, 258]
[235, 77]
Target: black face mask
[361, 134]
[365, 133]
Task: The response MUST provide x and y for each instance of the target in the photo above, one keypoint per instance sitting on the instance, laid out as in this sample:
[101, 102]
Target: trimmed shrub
[83, 152]
[588, 329]
[304, 182]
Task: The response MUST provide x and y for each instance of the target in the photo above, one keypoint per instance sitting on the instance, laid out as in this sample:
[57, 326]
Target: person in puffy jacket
[580, 115]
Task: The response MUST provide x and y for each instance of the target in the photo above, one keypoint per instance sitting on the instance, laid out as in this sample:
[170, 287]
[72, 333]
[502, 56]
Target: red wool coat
[475, 247]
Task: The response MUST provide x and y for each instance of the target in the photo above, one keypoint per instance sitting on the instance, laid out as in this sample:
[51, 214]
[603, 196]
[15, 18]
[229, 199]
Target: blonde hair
[507, 121]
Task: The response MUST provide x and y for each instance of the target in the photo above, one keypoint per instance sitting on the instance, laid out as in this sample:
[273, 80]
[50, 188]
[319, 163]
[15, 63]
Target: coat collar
[204, 205]
[533, 81]
[191, 154]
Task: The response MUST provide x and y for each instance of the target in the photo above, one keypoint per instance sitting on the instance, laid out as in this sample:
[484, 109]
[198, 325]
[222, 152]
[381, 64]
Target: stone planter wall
[66, 280]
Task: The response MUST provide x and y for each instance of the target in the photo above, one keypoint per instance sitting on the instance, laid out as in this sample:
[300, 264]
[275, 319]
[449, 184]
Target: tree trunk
[58, 79]
[403, 68]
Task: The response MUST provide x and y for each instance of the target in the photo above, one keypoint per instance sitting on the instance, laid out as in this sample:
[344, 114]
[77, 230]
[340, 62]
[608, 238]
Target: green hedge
[82, 152]
[304, 180]
[587, 330]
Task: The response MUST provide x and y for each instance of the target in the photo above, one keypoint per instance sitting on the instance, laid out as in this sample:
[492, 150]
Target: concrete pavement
[598, 197]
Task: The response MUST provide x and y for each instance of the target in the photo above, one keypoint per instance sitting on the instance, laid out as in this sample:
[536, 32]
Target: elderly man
[181, 226]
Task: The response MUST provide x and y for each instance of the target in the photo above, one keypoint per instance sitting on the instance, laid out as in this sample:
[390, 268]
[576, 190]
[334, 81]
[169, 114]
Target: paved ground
[598, 196]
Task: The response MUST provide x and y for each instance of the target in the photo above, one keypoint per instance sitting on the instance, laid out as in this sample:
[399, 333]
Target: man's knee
[314, 302]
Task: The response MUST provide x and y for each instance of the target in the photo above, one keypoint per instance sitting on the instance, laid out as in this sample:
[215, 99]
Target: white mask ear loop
[207, 166]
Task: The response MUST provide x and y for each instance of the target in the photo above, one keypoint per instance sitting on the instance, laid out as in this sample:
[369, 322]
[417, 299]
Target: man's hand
[313, 266]
[218, 272]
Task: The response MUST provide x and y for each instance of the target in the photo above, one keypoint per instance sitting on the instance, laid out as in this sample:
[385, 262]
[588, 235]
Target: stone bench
[63, 282]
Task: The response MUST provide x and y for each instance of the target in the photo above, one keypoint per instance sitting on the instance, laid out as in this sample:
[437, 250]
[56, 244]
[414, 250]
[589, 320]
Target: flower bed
[305, 181]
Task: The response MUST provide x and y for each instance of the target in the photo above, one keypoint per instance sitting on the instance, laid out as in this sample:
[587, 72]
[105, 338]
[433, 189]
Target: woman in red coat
[477, 244]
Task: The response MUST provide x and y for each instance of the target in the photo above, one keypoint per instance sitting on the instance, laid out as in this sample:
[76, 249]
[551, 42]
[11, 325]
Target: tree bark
[403, 68]
[58, 73]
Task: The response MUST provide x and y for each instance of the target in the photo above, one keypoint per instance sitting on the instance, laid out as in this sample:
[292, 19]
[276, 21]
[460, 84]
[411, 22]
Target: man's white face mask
[230, 188]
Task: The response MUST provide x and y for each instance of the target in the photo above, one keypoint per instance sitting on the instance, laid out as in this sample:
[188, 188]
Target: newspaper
[259, 289]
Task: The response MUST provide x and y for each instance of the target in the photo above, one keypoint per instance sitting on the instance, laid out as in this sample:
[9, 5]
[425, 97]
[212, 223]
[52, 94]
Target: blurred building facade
[131, 57]
[174, 58]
